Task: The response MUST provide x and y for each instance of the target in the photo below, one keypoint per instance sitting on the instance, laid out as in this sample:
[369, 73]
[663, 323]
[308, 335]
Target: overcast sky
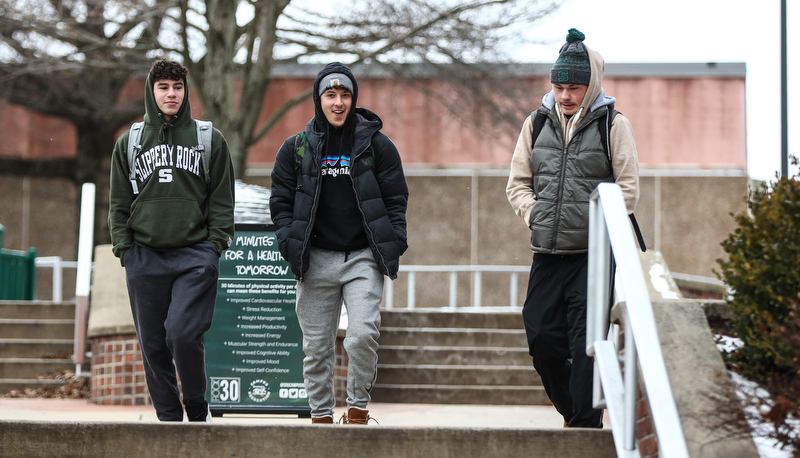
[696, 31]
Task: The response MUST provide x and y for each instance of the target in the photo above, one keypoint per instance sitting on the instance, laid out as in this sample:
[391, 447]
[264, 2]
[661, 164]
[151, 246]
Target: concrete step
[8, 384]
[401, 374]
[36, 348]
[37, 310]
[15, 328]
[460, 356]
[29, 368]
[431, 318]
[460, 394]
[470, 337]
[125, 439]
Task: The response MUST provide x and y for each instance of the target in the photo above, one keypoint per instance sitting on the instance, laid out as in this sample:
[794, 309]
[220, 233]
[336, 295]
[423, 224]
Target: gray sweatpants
[334, 276]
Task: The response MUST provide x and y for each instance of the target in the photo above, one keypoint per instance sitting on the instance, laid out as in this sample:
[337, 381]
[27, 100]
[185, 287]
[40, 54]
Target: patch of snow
[252, 204]
[751, 395]
[659, 278]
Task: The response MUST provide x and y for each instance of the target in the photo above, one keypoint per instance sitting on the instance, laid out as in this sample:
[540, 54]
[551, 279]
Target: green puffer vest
[564, 177]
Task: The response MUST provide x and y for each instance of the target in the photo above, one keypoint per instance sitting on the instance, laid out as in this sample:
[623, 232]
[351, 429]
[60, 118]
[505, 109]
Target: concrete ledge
[39, 439]
[110, 309]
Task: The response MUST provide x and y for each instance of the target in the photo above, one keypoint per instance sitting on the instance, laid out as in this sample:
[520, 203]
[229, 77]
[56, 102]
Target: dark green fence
[17, 272]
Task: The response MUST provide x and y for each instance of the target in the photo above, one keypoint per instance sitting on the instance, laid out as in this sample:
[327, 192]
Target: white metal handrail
[476, 271]
[610, 232]
[58, 265]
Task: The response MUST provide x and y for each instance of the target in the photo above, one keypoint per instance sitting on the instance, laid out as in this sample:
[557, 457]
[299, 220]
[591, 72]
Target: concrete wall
[42, 213]
[454, 217]
[465, 218]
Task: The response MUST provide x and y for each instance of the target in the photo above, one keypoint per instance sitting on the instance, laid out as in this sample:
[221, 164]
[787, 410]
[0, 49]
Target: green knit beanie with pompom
[572, 65]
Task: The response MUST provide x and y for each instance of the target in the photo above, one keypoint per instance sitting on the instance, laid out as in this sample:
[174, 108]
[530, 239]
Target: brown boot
[323, 419]
[356, 416]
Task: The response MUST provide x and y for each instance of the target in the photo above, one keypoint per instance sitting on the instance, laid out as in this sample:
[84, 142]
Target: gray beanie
[572, 65]
[335, 80]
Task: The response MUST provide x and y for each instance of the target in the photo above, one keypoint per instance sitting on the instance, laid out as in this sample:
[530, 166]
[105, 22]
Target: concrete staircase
[36, 339]
[429, 356]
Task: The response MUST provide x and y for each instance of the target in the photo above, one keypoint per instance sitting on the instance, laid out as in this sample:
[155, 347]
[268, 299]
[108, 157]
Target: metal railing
[58, 265]
[610, 235]
[476, 271]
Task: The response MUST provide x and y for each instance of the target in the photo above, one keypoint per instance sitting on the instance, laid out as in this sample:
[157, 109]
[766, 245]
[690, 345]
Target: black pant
[172, 296]
[555, 323]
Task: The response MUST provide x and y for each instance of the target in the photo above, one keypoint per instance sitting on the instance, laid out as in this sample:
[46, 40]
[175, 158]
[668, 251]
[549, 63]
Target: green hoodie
[174, 207]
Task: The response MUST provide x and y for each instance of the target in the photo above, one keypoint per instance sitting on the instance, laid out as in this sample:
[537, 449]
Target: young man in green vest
[549, 186]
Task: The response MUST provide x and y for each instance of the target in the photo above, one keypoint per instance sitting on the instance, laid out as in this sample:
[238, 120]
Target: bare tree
[73, 58]
[460, 42]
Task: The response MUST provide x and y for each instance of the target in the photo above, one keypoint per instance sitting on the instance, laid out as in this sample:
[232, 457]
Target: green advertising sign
[254, 350]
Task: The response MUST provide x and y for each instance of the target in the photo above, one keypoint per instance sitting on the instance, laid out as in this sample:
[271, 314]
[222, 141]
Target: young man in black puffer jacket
[338, 202]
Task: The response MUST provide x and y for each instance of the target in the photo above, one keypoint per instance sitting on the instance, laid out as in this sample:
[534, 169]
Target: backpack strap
[300, 145]
[538, 123]
[134, 150]
[204, 131]
[605, 133]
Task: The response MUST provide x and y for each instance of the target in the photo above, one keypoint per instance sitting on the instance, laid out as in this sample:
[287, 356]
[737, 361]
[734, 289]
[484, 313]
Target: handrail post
[388, 294]
[58, 278]
[83, 277]
[453, 289]
[477, 286]
[513, 290]
[412, 284]
[629, 431]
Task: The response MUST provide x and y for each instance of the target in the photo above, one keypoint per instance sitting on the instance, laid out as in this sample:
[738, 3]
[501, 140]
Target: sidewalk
[435, 415]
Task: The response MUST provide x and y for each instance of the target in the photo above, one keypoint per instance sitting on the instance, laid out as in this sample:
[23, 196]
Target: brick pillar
[340, 372]
[117, 371]
[645, 431]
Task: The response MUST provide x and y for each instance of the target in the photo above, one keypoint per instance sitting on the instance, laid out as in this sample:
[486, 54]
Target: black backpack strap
[605, 132]
[538, 122]
[638, 232]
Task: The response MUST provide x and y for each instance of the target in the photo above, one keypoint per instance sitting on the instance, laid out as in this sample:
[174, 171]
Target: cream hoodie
[624, 159]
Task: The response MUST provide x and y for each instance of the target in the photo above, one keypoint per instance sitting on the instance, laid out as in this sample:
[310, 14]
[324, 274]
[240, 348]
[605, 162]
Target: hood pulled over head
[152, 113]
[334, 74]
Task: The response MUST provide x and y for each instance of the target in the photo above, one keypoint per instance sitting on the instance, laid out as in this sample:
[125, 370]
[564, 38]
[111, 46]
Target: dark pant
[172, 296]
[555, 323]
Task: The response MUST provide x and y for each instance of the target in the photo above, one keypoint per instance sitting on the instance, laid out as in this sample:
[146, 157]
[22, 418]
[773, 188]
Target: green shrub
[763, 269]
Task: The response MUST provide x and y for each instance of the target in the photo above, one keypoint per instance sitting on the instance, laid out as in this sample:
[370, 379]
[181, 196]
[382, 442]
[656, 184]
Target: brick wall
[118, 375]
[117, 371]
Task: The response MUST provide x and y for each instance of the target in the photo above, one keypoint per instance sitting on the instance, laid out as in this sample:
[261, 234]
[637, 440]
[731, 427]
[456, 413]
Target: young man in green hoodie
[169, 225]
[549, 186]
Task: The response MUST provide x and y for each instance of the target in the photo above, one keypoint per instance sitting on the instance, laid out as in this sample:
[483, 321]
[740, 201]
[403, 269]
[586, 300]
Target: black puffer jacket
[381, 191]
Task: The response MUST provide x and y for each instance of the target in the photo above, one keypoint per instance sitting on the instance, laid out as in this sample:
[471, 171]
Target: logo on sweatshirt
[335, 165]
[165, 159]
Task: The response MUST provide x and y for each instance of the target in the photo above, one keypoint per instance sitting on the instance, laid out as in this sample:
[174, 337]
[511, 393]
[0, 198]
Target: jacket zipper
[561, 181]
[370, 235]
[306, 236]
